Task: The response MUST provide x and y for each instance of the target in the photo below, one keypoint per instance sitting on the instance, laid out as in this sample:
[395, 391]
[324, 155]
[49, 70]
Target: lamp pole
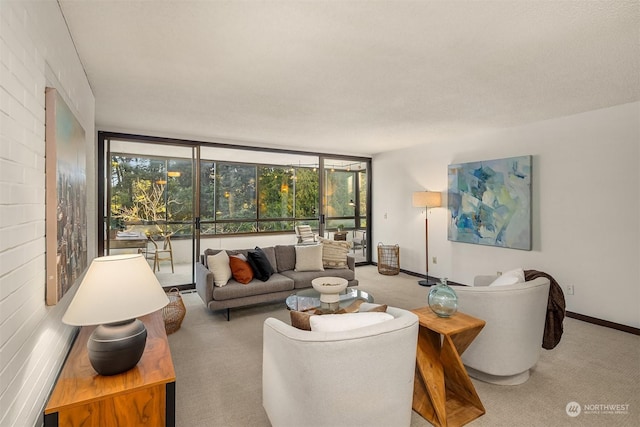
[426, 200]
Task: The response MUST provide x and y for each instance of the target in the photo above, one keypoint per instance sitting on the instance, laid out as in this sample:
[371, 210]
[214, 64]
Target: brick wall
[36, 51]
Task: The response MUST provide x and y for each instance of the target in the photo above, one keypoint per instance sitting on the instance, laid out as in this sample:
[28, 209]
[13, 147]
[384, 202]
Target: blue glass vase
[443, 300]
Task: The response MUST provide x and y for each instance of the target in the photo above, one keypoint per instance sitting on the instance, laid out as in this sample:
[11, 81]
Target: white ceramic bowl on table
[329, 288]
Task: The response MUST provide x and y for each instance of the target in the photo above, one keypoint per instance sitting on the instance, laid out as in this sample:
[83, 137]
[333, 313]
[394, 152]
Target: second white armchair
[511, 341]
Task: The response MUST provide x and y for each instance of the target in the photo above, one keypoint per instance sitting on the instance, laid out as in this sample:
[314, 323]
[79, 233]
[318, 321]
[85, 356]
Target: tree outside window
[151, 194]
[340, 196]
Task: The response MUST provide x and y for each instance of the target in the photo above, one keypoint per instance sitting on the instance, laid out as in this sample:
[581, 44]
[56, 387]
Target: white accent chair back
[511, 341]
[305, 234]
[361, 377]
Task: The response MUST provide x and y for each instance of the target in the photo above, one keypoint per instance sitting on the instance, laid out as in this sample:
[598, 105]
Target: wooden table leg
[443, 392]
[463, 404]
[429, 395]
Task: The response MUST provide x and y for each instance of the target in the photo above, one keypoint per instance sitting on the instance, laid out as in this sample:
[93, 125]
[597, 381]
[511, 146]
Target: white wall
[586, 214]
[36, 51]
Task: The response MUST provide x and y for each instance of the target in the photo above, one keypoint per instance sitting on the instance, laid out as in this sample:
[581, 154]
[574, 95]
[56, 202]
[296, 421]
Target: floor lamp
[427, 200]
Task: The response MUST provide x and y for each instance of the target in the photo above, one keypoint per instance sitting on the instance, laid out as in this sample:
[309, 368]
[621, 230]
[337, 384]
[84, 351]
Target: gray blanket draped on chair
[555, 310]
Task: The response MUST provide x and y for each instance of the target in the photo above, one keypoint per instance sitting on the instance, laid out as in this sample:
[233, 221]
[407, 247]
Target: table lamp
[114, 292]
[427, 200]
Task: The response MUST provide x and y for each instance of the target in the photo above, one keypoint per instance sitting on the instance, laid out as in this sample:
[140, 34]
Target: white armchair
[361, 377]
[511, 341]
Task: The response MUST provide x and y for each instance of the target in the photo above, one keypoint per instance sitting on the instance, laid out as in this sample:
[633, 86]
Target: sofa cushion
[219, 266]
[233, 290]
[270, 253]
[285, 257]
[346, 322]
[334, 253]
[309, 258]
[260, 265]
[240, 269]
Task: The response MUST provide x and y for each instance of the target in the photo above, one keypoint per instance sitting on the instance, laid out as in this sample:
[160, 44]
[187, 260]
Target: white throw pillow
[309, 258]
[346, 322]
[510, 277]
[219, 266]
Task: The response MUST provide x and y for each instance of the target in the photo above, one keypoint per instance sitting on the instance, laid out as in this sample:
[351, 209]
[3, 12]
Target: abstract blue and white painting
[490, 202]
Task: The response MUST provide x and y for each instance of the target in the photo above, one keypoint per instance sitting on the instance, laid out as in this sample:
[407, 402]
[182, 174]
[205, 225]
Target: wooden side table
[142, 396]
[443, 392]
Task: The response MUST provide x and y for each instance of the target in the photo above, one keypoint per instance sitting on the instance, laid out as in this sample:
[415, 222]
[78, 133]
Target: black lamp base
[427, 282]
[117, 347]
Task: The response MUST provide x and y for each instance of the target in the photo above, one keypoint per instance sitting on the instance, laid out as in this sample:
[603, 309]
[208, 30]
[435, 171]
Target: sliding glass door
[345, 190]
[150, 207]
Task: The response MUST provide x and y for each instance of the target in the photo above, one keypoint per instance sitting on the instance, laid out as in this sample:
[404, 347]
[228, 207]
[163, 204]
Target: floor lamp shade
[114, 292]
[426, 199]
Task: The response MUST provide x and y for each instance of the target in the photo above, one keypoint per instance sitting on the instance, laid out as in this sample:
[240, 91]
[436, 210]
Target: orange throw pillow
[241, 270]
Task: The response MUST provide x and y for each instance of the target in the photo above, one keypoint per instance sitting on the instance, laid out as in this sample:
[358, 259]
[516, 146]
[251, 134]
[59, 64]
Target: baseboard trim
[423, 276]
[605, 323]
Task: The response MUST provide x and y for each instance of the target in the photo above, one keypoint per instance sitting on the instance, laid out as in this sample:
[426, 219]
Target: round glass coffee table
[306, 299]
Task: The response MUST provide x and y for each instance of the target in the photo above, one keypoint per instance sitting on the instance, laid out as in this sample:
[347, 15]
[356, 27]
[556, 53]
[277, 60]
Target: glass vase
[443, 300]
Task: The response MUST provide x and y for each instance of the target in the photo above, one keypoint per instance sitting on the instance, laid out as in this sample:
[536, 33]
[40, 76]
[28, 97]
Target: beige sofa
[281, 284]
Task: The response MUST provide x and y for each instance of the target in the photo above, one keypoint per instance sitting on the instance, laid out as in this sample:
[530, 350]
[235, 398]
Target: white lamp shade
[115, 288]
[427, 199]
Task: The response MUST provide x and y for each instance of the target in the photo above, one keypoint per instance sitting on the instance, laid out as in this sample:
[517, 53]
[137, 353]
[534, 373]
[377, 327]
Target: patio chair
[359, 240]
[305, 235]
[154, 252]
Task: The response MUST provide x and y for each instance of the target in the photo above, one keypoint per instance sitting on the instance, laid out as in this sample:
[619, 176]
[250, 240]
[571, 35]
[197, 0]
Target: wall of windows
[190, 191]
[250, 198]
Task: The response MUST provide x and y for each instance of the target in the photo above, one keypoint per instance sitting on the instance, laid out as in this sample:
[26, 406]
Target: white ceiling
[351, 77]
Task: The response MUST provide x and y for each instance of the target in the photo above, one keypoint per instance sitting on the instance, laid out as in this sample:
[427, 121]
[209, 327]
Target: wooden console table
[142, 396]
[443, 392]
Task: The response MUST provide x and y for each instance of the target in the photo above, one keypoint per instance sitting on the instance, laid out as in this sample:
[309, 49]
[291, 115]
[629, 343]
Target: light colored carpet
[219, 368]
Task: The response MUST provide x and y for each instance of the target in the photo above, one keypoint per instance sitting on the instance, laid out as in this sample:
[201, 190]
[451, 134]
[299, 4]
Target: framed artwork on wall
[490, 202]
[66, 197]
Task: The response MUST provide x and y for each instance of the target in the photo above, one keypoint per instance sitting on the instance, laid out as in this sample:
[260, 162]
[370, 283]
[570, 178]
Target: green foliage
[235, 192]
[234, 197]
[147, 204]
[339, 191]
[143, 192]
[306, 193]
[276, 192]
